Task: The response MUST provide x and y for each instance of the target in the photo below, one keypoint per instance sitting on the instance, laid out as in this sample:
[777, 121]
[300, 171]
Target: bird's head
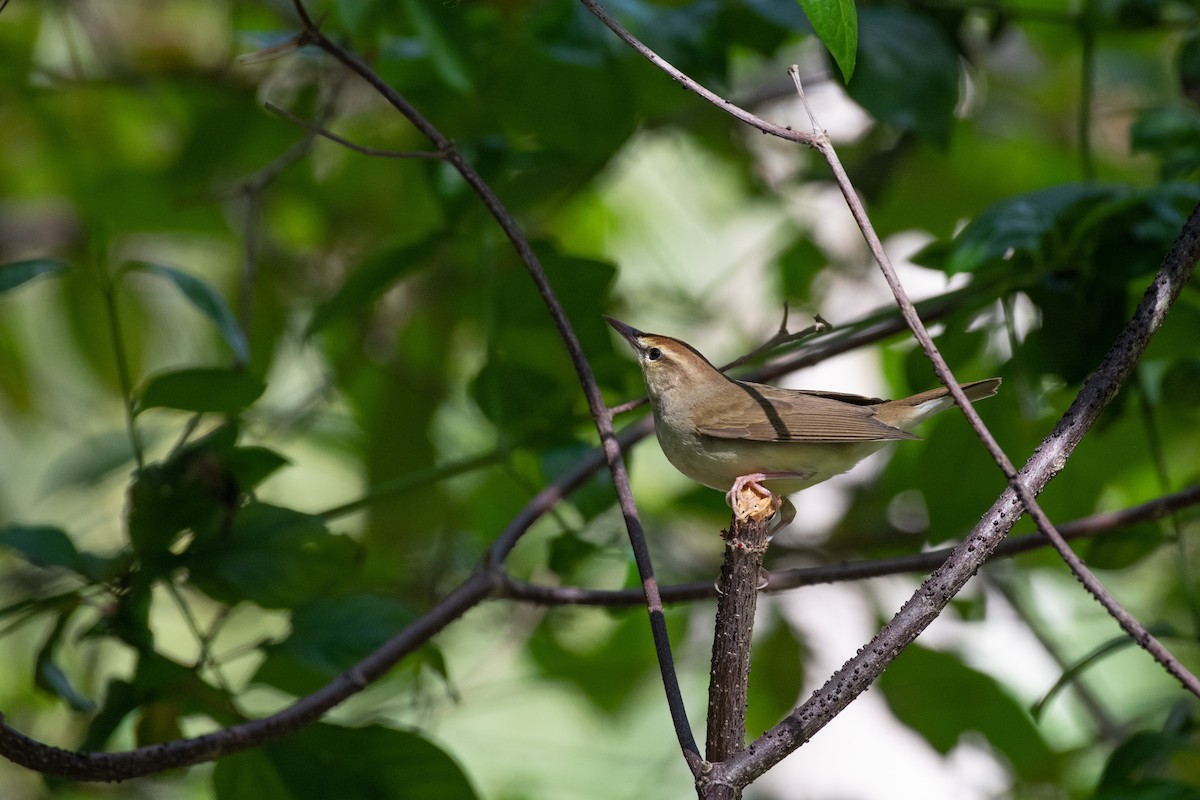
[668, 365]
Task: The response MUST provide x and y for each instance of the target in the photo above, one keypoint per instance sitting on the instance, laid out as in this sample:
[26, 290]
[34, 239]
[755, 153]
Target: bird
[733, 435]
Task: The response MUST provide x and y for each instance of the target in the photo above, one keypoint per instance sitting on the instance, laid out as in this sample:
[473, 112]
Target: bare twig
[778, 339]
[317, 130]
[35, 755]
[1118, 369]
[937, 590]
[785, 580]
[921, 610]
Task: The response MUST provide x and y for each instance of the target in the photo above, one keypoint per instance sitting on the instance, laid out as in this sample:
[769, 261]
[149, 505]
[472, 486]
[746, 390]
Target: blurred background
[264, 400]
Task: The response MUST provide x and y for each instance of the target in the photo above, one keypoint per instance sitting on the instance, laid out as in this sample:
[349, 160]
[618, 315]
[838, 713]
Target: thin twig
[788, 579]
[937, 590]
[778, 339]
[922, 609]
[317, 130]
[1098, 399]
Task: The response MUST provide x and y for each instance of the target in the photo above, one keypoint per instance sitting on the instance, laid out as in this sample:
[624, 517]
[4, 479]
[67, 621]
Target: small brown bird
[733, 435]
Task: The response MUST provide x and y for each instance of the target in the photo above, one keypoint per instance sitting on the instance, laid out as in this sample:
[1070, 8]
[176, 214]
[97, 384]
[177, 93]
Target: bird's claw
[749, 499]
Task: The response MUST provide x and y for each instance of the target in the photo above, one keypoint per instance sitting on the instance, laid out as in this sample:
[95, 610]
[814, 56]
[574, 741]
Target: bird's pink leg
[752, 482]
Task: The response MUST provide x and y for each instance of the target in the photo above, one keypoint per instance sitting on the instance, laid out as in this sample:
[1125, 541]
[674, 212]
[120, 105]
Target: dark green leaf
[798, 266]
[250, 466]
[44, 546]
[49, 677]
[120, 700]
[207, 301]
[908, 73]
[328, 636]
[836, 24]
[1137, 769]
[1170, 134]
[16, 273]
[324, 761]
[272, 556]
[201, 390]
[442, 53]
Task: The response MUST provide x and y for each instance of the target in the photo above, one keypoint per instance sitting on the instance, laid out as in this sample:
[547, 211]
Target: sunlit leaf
[836, 24]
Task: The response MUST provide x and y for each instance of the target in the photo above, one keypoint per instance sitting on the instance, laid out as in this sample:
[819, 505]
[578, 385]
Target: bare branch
[785, 580]
[937, 590]
[49, 760]
[1111, 373]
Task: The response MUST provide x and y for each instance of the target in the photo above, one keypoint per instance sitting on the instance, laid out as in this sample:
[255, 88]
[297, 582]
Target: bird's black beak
[631, 334]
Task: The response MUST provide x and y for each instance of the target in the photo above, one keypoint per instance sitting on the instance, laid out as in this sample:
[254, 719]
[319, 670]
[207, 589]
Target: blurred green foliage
[263, 400]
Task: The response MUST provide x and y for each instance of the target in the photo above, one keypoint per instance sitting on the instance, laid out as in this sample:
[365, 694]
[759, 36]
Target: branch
[1039, 471]
[49, 760]
[729, 676]
[591, 389]
[937, 590]
[1111, 374]
[785, 580]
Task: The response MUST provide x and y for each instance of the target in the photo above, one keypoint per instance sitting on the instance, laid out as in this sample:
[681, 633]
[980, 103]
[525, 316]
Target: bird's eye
[654, 354]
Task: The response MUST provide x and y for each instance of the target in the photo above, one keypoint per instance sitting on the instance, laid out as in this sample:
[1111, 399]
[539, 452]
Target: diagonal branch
[785, 580]
[1117, 371]
[935, 593]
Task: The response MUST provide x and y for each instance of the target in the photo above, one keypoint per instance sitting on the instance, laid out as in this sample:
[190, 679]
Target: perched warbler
[734, 435]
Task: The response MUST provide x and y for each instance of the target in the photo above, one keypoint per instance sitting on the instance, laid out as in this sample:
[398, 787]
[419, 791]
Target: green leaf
[272, 556]
[445, 59]
[328, 636]
[836, 24]
[917, 687]
[324, 761]
[1138, 768]
[49, 677]
[1171, 135]
[908, 75]
[201, 390]
[776, 676]
[16, 273]
[611, 646]
[1013, 230]
[208, 302]
[90, 460]
[44, 546]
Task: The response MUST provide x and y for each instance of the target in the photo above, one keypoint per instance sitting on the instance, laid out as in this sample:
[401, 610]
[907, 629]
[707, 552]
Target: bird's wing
[769, 414]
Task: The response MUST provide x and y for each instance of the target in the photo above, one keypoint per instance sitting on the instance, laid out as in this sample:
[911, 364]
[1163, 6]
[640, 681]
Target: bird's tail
[911, 410]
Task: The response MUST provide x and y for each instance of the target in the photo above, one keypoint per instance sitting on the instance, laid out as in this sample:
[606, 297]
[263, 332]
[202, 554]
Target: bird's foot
[749, 499]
